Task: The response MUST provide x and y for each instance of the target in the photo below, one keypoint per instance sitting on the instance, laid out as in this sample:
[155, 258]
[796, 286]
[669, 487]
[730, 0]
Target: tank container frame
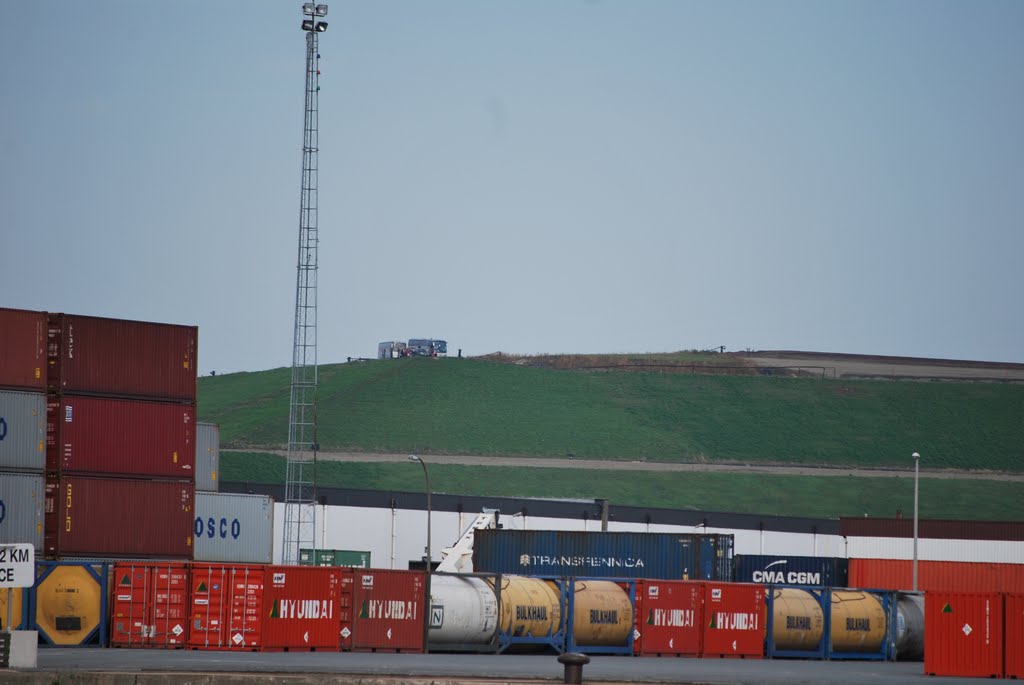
[492, 647]
[555, 639]
[568, 587]
[98, 637]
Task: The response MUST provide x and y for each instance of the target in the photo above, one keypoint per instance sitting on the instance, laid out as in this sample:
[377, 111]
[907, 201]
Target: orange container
[149, 605]
[1014, 644]
[937, 576]
[668, 618]
[963, 634]
[226, 607]
[734, 620]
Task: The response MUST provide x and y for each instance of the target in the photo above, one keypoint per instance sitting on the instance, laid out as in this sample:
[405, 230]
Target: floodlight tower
[300, 485]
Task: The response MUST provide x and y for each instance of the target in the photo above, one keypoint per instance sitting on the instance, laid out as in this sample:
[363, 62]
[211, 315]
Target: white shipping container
[22, 498]
[234, 528]
[22, 431]
[207, 456]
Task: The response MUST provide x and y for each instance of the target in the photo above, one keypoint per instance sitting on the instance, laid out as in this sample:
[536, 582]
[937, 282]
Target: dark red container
[734, 620]
[936, 576]
[123, 437]
[1014, 643]
[301, 605]
[22, 349]
[387, 610]
[963, 634]
[88, 355]
[86, 516]
[940, 529]
[226, 607]
[149, 605]
[669, 617]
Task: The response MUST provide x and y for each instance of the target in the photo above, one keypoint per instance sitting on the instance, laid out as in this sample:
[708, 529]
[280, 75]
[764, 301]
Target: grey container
[234, 528]
[22, 431]
[207, 456]
[22, 498]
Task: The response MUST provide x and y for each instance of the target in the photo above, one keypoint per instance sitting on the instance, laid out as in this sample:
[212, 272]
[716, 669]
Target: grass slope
[470, 406]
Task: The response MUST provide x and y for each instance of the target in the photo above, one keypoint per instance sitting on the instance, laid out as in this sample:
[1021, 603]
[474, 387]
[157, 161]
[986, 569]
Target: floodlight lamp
[321, 26]
[308, 8]
[307, 24]
[321, 10]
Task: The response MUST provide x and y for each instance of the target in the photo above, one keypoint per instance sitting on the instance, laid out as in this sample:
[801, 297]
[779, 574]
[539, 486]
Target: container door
[963, 634]
[734, 621]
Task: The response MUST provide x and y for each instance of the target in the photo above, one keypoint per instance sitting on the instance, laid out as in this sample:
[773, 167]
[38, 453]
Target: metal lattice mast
[300, 485]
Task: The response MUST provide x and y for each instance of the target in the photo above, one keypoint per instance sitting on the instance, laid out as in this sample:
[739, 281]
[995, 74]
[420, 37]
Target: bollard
[573, 666]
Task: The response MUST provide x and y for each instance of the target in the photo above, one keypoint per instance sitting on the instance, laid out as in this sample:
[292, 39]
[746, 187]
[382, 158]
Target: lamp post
[428, 557]
[917, 464]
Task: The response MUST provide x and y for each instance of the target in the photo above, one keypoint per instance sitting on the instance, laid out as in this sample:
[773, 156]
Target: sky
[530, 177]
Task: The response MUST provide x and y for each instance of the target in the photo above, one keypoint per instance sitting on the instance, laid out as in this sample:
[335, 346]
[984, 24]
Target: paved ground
[98, 665]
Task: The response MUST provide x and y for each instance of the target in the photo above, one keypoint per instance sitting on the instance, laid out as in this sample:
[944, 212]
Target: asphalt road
[430, 667]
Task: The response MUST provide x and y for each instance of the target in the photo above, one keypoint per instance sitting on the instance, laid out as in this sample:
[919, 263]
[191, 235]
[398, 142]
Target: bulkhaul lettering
[798, 623]
[677, 618]
[862, 624]
[306, 608]
[604, 616]
[531, 613]
[600, 562]
[393, 608]
[741, 620]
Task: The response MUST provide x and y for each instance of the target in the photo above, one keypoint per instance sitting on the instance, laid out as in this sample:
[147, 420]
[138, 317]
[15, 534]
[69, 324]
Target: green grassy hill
[474, 406]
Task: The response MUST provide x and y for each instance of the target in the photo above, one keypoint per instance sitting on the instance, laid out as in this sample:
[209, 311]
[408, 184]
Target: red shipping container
[226, 607]
[94, 356]
[149, 606]
[113, 517]
[124, 437]
[301, 608]
[387, 610]
[669, 617]
[937, 576]
[345, 610]
[1014, 645]
[963, 634]
[22, 349]
[734, 620]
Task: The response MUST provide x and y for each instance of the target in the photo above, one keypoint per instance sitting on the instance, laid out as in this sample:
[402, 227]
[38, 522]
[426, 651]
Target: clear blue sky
[536, 176]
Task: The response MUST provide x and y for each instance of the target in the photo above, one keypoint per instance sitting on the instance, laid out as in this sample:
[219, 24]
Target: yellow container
[602, 614]
[529, 607]
[799, 622]
[17, 608]
[68, 604]
[858, 622]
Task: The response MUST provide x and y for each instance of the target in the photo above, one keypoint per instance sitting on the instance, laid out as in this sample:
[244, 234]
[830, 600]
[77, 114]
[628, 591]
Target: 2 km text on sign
[17, 565]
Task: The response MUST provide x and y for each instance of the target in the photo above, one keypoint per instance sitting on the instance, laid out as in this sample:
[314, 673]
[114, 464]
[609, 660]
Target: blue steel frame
[569, 588]
[887, 652]
[556, 639]
[100, 635]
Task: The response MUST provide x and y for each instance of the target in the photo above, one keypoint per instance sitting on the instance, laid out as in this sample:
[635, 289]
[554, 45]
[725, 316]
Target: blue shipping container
[665, 556]
[776, 570]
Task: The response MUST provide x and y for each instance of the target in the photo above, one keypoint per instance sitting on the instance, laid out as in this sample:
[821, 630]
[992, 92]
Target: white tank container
[463, 610]
[910, 627]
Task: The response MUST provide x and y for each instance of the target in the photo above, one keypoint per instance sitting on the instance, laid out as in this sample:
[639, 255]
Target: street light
[311, 10]
[917, 464]
[427, 557]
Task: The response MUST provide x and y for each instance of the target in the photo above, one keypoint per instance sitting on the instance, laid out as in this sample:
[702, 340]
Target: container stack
[120, 438]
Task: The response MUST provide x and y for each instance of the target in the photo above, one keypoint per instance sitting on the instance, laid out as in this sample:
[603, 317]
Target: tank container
[734, 620]
[22, 349]
[602, 614]
[909, 629]
[234, 528]
[798, 620]
[669, 618]
[207, 457]
[90, 355]
[149, 605]
[963, 634]
[70, 601]
[792, 570]
[22, 431]
[530, 607]
[22, 502]
[463, 611]
[130, 438]
[666, 556]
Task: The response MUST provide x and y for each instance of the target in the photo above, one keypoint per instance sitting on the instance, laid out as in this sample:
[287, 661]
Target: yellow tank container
[858, 622]
[68, 604]
[17, 608]
[799, 622]
[602, 614]
[529, 607]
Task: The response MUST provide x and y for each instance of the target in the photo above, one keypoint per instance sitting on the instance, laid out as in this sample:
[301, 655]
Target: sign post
[17, 569]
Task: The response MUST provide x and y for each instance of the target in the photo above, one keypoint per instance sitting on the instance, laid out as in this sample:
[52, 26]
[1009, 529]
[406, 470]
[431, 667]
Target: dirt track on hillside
[597, 464]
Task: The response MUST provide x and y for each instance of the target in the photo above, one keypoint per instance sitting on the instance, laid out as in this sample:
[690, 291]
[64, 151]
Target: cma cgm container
[95, 356]
[792, 570]
[22, 431]
[235, 528]
[120, 437]
[301, 608]
[149, 605]
[207, 456]
[108, 517]
[963, 634]
[22, 349]
[665, 556]
[384, 610]
[22, 500]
